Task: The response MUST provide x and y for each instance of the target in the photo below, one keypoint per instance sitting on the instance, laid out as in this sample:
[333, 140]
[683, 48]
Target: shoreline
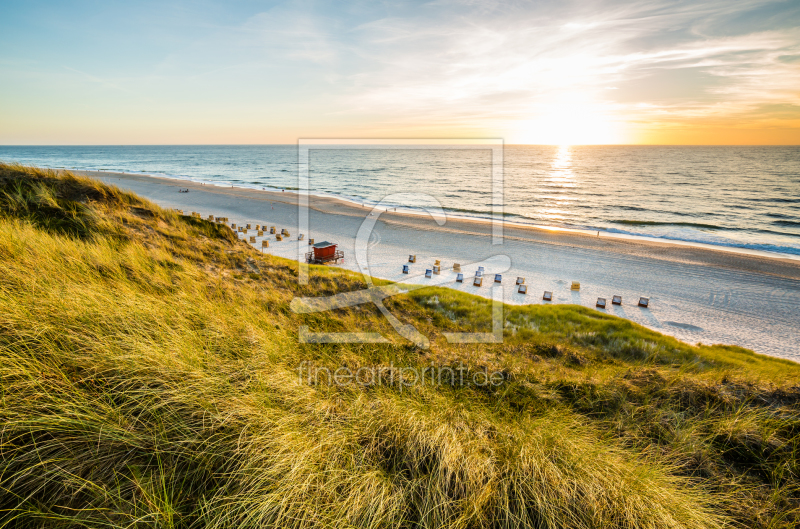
[697, 294]
[786, 265]
[601, 232]
[452, 216]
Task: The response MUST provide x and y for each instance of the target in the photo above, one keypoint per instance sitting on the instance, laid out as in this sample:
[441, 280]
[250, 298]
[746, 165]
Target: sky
[542, 72]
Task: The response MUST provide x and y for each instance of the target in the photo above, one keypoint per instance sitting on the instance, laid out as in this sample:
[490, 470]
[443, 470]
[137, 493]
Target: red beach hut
[324, 252]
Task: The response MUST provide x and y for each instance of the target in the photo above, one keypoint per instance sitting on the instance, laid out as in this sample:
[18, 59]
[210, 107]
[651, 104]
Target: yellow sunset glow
[570, 125]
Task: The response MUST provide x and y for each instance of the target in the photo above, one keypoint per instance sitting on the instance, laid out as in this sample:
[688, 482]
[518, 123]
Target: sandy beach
[697, 294]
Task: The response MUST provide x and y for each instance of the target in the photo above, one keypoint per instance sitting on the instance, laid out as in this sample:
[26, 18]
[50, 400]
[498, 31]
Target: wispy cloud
[456, 62]
[438, 67]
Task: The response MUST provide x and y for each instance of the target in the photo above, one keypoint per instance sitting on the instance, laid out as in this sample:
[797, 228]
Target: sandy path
[697, 294]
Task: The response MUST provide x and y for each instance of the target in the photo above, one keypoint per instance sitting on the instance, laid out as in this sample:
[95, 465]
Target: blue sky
[273, 72]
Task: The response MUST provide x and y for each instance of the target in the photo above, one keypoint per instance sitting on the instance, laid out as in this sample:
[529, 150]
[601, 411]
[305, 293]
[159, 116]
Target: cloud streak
[617, 71]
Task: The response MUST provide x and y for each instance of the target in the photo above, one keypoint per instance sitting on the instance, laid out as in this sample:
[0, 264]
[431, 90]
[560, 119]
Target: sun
[566, 124]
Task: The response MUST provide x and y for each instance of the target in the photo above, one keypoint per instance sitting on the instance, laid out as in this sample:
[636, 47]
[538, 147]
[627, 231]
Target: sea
[735, 196]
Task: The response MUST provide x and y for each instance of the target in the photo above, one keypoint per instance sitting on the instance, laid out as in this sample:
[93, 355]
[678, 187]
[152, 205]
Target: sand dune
[697, 294]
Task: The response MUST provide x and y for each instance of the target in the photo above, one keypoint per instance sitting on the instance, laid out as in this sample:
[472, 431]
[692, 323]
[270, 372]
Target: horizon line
[400, 140]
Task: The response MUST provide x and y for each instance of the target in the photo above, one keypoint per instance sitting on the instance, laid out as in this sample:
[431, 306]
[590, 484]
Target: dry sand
[697, 293]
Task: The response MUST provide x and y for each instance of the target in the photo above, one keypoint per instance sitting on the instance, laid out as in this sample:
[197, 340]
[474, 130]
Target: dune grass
[149, 378]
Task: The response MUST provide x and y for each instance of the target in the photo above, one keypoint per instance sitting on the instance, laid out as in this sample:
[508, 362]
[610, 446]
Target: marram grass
[148, 378]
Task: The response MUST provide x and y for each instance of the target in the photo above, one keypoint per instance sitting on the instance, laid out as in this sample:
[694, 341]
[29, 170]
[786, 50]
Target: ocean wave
[657, 223]
[787, 223]
[773, 248]
[483, 213]
[781, 200]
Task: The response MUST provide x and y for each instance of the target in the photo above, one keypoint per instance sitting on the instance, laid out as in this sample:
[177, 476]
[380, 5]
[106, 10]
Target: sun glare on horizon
[570, 125]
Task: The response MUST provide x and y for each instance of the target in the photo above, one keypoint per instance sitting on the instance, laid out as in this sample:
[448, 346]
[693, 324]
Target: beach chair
[548, 296]
[428, 273]
[252, 239]
[601, 303]
[406, 269]
[644, 302]
[575, 286]
[260, 233]
[194, 213]
[523, 289]
[179, 211]
[478, 281]
[285, 233]
[498, 278]
[412, 258]
[265, 244]
[248, 226]
[272, 230]
[278, 238]
[437, 269]
[301, 237]
[520, 280]
[257, 227]
[211, 217]
[438, 263]
[616, 300]
[481, 269]
[244, 231]
[460, 278]
[240, 229]
[456, 267]
[311, 242]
